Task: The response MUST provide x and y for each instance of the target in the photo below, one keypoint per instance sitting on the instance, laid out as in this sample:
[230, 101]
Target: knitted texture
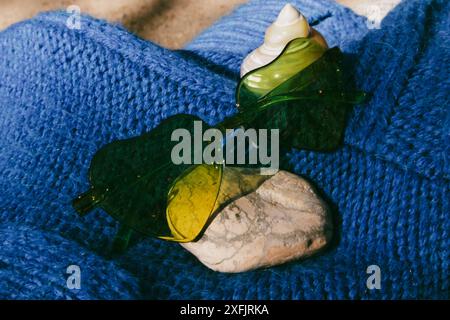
[65, 93]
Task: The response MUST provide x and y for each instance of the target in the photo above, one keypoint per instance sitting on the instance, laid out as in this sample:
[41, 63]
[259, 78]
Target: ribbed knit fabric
[65, 93]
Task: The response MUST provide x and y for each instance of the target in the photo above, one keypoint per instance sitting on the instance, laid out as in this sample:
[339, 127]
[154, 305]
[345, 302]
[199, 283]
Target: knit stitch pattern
[64, 93]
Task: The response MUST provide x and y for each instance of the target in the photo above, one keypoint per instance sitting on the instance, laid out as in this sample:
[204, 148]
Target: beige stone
[282, 220]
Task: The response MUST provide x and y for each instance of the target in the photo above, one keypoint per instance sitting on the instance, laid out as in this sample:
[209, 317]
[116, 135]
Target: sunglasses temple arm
[122, 239]
[86, 202]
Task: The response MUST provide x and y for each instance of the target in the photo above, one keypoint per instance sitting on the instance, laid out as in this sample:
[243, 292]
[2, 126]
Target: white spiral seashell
[289, 25]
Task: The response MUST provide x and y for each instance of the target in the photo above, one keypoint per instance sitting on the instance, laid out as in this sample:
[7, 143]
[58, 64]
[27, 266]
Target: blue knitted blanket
[64, 93]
